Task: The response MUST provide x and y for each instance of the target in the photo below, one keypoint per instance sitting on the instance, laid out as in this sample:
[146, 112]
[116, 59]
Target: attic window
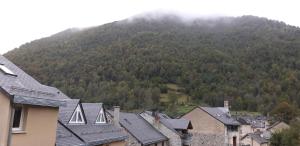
[77, 117]
[5, 70]
[101, 117]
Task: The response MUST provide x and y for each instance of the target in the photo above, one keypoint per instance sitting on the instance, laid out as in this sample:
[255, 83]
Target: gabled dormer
[77, 116]
[101, 118]
[6, 70]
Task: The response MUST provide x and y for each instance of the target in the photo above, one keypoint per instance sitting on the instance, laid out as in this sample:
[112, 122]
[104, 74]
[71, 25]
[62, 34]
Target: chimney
[116, 115]
[156, 118]
[226, 104]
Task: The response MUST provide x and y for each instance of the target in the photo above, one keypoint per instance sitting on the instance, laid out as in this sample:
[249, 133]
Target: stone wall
[204, 123]
[200, 139]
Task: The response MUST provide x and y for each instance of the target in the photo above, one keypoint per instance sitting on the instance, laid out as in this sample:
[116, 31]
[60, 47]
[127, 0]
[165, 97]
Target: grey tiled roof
[254, 121]
[258, 138]
[65, 112]
[91, 111]
[92, 134]
[172, 124]
[243, 121]
[221, 114]
[141, 129]
[98, 134]
[179, 124]
[26, 89]
[65, 137]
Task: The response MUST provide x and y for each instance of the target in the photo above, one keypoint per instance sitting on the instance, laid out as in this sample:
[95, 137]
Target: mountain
[253, 62]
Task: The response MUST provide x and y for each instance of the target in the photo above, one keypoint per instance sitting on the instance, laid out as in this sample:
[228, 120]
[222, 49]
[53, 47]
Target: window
[101, 117]
[77, 117]
[232, 128]
[18, 118]
[6, 70]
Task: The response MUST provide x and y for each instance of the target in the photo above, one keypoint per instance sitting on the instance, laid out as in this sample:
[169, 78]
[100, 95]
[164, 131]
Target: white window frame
[101, 114]
[21, 125]
[6, 70]
[77, 113]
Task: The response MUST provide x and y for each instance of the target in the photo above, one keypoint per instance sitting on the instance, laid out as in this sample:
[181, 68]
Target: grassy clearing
[174, 90]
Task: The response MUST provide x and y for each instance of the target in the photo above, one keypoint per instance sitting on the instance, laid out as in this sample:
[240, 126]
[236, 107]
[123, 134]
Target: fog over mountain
[170, 61]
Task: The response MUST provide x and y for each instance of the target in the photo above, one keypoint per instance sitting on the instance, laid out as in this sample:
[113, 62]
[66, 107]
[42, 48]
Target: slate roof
[257, 137]
[91, 111]
[172, 124]
[91, 134]
[179, 124]
[26, 90]
[254, 121]
[141, 129]
[98, 134]
[65, 112]
[65, 137]
[221, 114]
[242, 121]
[276, 123]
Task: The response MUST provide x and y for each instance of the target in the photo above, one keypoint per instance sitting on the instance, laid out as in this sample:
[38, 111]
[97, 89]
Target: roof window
[101, 117]
[77, 117]
[5, 70]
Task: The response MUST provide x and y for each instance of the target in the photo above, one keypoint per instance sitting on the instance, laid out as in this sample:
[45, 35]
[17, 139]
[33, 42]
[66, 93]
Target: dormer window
[5, 70]
[101, 117]
[77, 117]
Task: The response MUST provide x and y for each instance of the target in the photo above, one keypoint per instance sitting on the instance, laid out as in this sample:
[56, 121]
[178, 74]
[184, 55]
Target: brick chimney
[116, 119]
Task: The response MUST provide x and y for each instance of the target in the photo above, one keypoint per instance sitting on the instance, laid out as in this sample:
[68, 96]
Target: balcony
[186, 139]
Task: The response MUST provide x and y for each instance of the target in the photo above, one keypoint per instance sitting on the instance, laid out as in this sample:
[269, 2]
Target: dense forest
[154, 62]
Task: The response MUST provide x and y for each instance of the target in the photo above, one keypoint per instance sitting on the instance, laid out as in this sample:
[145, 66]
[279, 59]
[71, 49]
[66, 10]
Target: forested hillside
[254, 62]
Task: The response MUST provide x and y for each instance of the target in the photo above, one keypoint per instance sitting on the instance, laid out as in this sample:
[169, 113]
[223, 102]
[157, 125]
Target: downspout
[10, 122]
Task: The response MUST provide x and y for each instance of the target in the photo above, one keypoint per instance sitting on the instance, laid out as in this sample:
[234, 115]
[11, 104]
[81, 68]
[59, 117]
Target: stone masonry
[200, 139]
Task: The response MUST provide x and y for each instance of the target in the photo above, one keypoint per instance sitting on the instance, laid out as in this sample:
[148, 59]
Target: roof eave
[38, 101]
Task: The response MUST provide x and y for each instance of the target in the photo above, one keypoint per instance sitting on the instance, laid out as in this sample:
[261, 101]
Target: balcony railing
[187, 139]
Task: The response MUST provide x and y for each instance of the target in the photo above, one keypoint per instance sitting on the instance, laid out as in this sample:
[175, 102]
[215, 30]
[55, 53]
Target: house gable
[278, 126]
[204, 123]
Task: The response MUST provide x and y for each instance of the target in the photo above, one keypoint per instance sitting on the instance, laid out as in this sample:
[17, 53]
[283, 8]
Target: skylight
[77, 117]
[101, 117]
[5, 70]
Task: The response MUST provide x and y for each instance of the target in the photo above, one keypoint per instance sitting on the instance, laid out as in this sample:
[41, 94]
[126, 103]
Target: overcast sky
[22, 21]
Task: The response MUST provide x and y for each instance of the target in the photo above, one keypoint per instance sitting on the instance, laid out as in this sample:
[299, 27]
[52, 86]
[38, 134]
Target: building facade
[26, 106]
[213, 126]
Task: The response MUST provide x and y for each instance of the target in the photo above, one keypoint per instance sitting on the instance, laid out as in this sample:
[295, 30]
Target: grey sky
[26, 20]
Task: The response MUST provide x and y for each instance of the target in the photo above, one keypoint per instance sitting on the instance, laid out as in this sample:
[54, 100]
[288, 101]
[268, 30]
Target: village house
[254, 139]
[251, 124]
[140, 132]
[245, 127]
[278, 127]
[26, 106]
[213, 126]
[86, 124]
[177, 130]
[260, 134]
